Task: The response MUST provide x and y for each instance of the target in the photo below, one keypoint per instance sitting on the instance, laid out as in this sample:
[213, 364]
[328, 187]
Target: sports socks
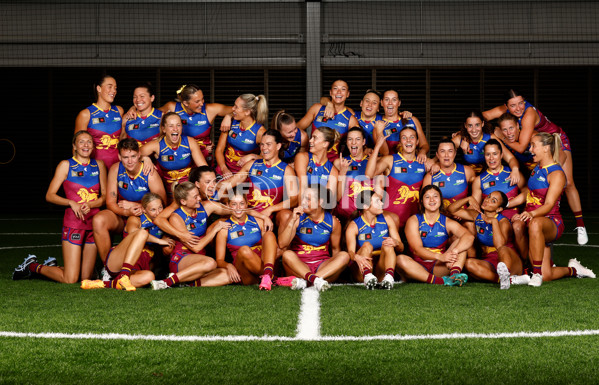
[390, 271]
[435, 280]
[268, 270]
[455, 270]
[310, 277]
[172, 280]
[35, 267]
[536, 267]
[579, 220]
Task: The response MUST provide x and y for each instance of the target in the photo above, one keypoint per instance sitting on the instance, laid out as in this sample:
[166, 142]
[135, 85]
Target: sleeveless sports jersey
[311, 241]
[393, 128]
[545, 125]
[498, 182]
[147, 224]
[144, 129]
[524, 158]
[196, 125]
[405, 180]
[538, 185]
[82, 185]
[266, 184]
[245, 233]
[484, 233]
[129, 188]
[240, 142]
[294, 146]
[368, 127]
[355, 182]
[105, 129]
[318, 173]
[174, 163]
[475, 155]
[434, 236]
[339, 123]
[372, 232]
[454, 185]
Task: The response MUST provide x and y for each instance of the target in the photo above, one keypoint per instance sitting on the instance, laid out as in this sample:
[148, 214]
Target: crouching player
[313, 236]
[375, 234]
[188, 261]
[499, 260]
[253, 249]
[130, 262]
[428, 234]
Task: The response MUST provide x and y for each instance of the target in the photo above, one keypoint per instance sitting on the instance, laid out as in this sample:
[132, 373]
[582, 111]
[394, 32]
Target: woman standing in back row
[531, 119]
[103, 121]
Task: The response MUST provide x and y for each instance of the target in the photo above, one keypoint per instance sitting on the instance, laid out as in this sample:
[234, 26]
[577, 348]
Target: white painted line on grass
[308, 321]
[574, 244]
[231, 338]
[27, 247]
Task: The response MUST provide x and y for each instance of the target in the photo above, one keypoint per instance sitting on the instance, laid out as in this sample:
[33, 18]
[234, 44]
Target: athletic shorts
[314, 265]
[144, 260]
[256, 249]
[429, 265]
[492, 258]
[559, 224]
[77, 237]
[178, 254]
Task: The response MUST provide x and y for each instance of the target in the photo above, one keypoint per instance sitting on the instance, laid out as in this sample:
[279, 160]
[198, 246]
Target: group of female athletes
[308, 209]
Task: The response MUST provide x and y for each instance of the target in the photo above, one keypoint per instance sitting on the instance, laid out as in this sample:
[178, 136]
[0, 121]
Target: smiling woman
[174, 152]
[103, 121]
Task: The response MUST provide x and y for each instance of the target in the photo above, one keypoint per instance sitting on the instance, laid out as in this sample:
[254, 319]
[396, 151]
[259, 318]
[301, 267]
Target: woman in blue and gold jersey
[175, 153]
[143, 123]
[272, 183]
[103, 120]
[499, 259]
[510, 128]
[471, 139]
[404, 175]
[250, 113]
[372, 240]
[496, 177]
[252, 248]
[83, 180]
[541, 223]
[394, 122]
[297, 140]
[314, 167]
[126, 185]
[341, 120]
[433, 259]
[313, 237]
[188, 261]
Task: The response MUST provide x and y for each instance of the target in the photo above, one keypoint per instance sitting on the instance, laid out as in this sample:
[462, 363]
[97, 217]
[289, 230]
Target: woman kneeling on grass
[499, 260]
[313, 236]
[188, 261]
[130, 262]
[428, 234]
[252, 247]
[375, 235]
[84, 182]
[541, 223]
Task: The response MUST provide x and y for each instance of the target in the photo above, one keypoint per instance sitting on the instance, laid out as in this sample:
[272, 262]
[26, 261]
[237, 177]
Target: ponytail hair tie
[181, 89]
[257, 98]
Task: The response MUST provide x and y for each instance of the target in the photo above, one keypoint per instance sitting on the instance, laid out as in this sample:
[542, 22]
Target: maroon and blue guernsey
[490, 182]
[245, 233]
[538, 186]
[196, 125]
[82, 185]
[405, 180]
[311, 241]
[105, 129]
[355, 182]
[144, 129]
[368, 127]
[393, 130]
[339, 123]
[475, 155]
[453, 185]
[240, 142]
[267, 184]
[434, 235]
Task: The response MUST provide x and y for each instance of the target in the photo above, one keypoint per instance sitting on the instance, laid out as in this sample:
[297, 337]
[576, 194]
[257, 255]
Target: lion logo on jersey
[86, 196]
[258, 198]
[178, 174]
[356, 188]
[406, 195]
[533, 200]
[106, 142]
[232, 155]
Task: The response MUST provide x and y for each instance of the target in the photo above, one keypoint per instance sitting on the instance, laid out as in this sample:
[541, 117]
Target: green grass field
[241, 335]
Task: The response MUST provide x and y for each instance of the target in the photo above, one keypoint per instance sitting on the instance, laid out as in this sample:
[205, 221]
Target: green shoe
[455, 279]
